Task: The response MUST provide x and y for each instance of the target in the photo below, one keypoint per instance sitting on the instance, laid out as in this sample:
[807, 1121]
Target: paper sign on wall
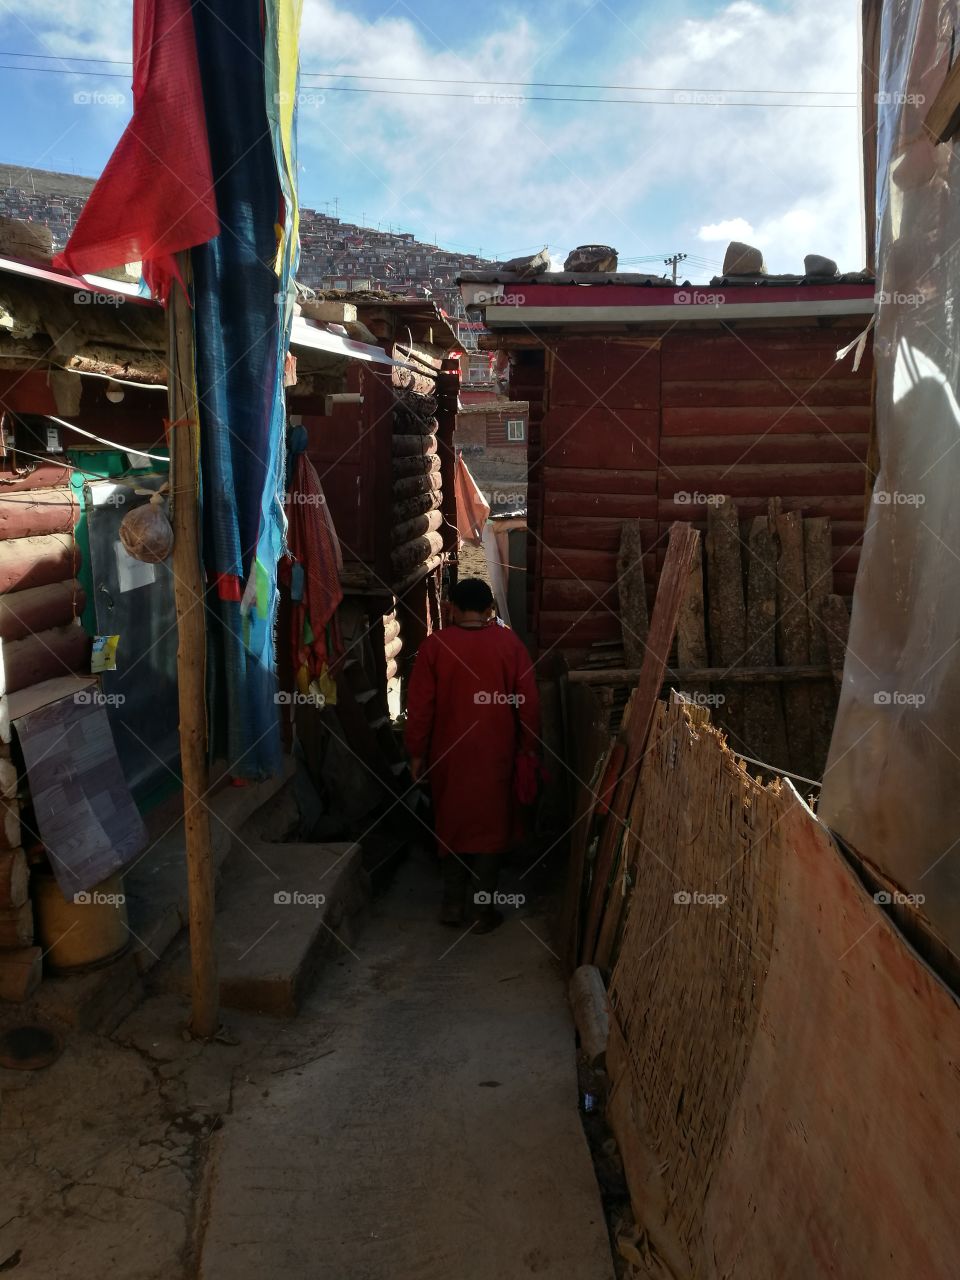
[131, 572]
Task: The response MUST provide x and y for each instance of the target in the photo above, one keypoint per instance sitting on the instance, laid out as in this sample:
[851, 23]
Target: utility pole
[674, 262]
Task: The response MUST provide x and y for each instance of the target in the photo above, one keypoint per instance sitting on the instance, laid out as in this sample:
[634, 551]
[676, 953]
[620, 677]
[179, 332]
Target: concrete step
[281, 910]
[155, 885]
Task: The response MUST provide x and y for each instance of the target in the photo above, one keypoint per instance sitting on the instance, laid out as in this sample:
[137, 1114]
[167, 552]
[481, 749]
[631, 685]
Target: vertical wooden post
[448, 387]
[191, 657]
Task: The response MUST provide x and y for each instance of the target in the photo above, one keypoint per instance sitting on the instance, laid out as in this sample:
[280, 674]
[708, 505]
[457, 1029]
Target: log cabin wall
[41, 598]
[651, 427]
[40, 604]
[416, 524]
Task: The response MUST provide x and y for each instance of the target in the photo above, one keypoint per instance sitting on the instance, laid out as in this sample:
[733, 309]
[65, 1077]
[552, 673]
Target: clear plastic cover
[892, 784]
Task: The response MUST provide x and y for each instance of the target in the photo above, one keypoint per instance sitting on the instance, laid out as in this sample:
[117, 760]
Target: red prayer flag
[155, 195]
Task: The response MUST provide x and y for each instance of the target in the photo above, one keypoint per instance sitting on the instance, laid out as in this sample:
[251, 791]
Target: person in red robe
[473, 722]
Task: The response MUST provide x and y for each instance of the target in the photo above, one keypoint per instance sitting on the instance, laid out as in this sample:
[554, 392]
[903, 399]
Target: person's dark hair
[472, 595]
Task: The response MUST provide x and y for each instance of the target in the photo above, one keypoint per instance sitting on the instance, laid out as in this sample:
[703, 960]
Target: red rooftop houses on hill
[648, 398]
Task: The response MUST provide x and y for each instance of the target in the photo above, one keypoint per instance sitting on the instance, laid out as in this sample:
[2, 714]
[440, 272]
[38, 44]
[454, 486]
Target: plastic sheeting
[891, 784]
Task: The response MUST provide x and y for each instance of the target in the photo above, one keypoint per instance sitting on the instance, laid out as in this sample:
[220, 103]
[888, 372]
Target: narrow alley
[419, 1119]
[479, 695]
[433, 1128]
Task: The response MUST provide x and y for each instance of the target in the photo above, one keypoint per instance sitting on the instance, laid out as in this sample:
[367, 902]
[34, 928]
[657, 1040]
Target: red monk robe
[472, 705]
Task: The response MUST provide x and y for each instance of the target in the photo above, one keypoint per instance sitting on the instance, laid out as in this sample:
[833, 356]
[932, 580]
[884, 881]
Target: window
[515, 430]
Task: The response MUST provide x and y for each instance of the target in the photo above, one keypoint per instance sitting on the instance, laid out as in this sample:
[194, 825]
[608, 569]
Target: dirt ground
[473, 563]
[417, 1121]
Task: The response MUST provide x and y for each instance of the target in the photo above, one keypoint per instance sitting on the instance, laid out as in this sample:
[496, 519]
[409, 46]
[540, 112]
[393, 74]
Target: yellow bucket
[87, 930]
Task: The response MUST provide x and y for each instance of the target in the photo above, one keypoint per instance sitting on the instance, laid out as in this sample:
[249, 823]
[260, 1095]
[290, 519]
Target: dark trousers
[472, 876]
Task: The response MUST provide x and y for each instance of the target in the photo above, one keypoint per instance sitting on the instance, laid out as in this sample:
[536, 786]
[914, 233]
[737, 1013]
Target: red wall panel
[635, 431]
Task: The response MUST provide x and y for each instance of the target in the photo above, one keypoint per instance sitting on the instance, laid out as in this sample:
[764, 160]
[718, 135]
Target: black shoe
[452, 916]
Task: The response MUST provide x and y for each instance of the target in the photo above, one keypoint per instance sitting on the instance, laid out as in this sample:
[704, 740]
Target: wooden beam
[703, 675]
[328, 312]
[683, 547]
[727, 608]
[191, 657]
[871, 14]
[591, 1013]
[632, 591]
[25, 613]
[835, 622]
[793, 635]
[764, 728]
[57, 651]
[943, 116]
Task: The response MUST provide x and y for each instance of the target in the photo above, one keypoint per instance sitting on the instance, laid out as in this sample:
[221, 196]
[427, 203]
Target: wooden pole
[191, 658]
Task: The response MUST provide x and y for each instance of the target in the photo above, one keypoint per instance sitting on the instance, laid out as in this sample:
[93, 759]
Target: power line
[563, 84]
[525, 84]
[67, 71]
[682, 98]
[533, 97]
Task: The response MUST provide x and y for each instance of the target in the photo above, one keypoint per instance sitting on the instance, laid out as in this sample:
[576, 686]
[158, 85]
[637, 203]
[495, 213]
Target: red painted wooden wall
[644, 429]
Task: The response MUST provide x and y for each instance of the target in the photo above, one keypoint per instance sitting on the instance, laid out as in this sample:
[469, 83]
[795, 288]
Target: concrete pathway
[417, 1122]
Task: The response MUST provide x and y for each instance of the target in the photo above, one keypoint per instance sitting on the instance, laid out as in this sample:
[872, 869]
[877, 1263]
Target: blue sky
[500, 171]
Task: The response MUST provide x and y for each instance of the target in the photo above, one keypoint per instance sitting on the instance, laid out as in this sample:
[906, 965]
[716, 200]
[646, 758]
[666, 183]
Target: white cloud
[787, 180]
[77, 27]
[526, 173]
[731, 229]
[509, 174]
